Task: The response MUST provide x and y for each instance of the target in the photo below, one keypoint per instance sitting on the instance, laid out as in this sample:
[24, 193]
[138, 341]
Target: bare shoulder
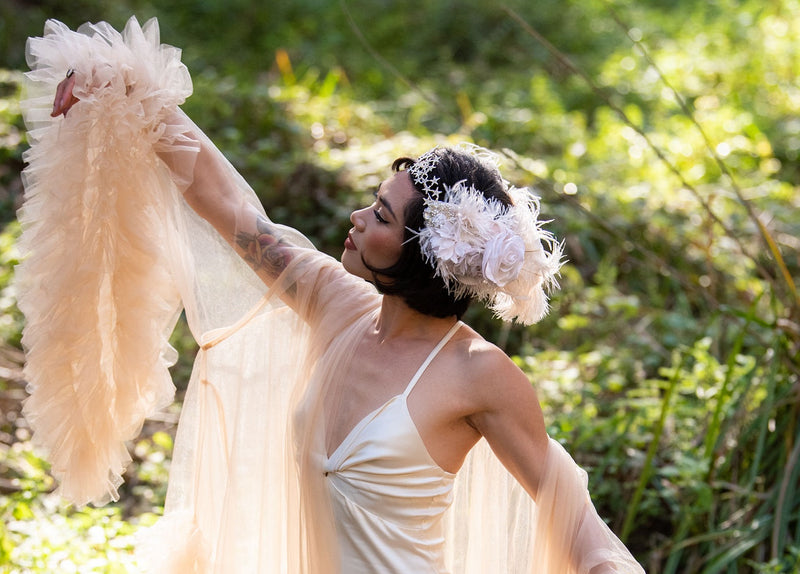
[502, 406]
[486, 375]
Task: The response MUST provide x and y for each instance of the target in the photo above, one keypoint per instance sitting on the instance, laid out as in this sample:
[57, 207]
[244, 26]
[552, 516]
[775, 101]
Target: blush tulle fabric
[112, 254]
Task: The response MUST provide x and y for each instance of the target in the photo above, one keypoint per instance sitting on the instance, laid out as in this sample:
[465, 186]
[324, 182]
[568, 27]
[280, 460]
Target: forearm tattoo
[264, 250]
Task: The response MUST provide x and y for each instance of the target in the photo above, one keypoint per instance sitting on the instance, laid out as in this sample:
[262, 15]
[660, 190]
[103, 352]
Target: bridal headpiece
[481, 248]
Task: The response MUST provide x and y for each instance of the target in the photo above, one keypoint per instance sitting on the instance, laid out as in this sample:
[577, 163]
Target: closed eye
[378, 216]
[381, 202]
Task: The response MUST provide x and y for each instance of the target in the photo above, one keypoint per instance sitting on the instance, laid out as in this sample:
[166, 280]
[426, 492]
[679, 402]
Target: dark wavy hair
[412, 278]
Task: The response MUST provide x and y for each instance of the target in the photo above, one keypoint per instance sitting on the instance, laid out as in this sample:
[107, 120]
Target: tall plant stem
[783, 506]
[714, 428]
[647, 469]
[383, 61]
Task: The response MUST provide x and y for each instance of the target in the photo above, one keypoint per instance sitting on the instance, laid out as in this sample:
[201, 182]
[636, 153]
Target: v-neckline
[409, 387]
[360, 425]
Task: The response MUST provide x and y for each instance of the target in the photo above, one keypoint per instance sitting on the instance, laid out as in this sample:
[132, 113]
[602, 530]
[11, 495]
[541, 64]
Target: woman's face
[377, 234]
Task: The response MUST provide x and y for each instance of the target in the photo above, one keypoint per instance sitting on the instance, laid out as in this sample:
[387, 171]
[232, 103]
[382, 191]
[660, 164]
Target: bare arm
[214, 197]
[511, 420]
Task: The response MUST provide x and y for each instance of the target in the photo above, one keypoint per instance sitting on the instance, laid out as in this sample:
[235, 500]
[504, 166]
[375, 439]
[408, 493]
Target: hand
[64, 99]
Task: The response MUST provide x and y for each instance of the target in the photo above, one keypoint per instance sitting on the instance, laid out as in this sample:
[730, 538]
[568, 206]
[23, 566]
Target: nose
[357, 218]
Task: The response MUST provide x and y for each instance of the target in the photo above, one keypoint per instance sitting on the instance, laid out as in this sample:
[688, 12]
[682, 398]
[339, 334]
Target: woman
[391, 393]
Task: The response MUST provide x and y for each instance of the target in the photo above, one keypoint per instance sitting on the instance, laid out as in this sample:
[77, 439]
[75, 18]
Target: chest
[371, 376]
[437, 406]
[378, 371]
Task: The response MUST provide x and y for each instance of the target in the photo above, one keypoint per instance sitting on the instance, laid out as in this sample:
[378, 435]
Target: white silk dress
[389, 497]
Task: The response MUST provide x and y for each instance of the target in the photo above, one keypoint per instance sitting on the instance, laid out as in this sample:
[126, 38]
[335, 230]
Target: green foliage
[11, 320]
[788, 565]
[39, 534]
[12, 142]
[663, 139]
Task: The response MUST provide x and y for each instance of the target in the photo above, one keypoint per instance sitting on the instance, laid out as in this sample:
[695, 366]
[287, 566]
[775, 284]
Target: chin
[352, 264]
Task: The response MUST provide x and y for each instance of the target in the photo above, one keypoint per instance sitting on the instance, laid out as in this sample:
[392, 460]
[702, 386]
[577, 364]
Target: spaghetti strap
[431, 356]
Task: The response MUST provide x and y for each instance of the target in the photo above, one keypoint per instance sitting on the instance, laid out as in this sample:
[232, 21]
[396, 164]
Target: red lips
[349, 244]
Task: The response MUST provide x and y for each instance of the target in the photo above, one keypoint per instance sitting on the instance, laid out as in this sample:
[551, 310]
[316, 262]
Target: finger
[72, 101]
[63, 92]
[64, 98]
[57, 100]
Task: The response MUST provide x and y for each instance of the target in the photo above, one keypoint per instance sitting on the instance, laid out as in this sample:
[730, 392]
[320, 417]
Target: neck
[397, 320]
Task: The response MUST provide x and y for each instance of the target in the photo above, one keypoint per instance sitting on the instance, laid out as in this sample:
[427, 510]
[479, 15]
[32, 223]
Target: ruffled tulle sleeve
[95, 283]
[571, 536]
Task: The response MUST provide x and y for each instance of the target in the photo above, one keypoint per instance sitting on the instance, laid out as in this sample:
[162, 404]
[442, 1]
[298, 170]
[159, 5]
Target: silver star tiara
[420, 172]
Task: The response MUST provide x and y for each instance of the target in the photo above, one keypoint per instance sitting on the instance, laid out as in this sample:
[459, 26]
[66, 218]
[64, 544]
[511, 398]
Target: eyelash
[378, 216]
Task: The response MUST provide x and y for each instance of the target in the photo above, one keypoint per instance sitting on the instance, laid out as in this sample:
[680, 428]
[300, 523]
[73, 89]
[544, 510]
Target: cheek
[387, 245]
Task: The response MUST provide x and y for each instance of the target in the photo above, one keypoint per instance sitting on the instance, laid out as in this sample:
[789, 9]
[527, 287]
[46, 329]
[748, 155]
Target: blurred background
[663, 137]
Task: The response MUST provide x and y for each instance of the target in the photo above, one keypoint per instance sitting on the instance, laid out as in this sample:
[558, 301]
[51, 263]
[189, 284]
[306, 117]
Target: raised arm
[213, 195]
[209, 186]
[509, 416]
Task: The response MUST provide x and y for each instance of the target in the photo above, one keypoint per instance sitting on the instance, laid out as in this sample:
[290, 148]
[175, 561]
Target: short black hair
[412, 278]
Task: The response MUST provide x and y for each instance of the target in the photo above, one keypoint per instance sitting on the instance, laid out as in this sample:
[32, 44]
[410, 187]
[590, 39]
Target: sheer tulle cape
[112, 253]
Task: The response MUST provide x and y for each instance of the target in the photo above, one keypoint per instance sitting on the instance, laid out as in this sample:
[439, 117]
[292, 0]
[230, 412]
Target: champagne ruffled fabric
[111, 255]
[95, 284]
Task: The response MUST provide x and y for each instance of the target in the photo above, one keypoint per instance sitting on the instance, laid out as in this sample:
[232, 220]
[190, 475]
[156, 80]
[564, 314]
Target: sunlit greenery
[664, 139]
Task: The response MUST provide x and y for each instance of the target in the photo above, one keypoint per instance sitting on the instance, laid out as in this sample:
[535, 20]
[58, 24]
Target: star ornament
[420, 172]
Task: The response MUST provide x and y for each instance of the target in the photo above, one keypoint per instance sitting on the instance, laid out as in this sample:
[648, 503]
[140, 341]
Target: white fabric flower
[503, 256]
